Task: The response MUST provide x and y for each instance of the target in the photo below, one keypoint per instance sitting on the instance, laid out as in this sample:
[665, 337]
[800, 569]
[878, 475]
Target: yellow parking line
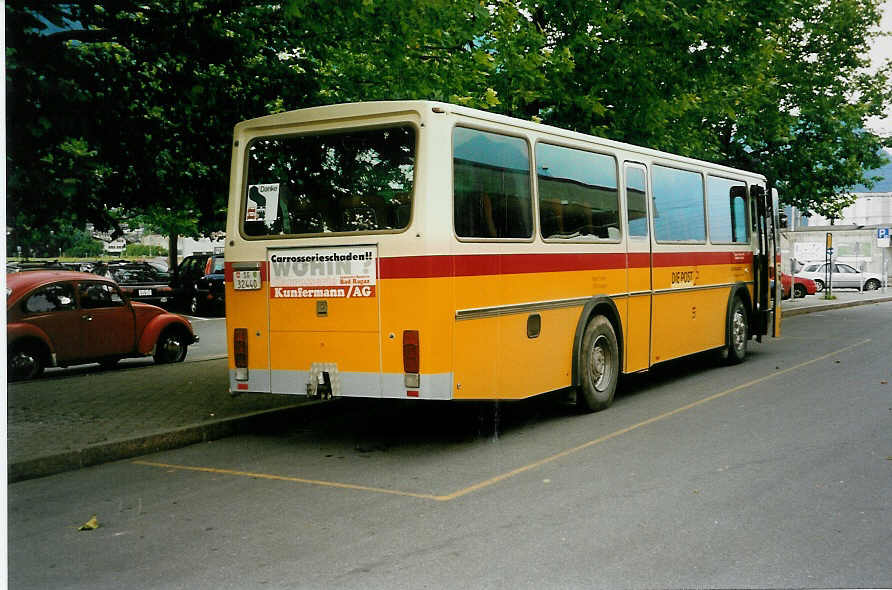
[622, 431]
[509, 474]
[315, 482]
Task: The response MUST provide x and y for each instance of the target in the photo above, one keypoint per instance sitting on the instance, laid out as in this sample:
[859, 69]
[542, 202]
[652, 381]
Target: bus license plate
[145, 292]
[246, 280]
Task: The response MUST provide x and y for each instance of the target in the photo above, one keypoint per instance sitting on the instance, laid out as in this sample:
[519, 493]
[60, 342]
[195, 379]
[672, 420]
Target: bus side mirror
[782, 220]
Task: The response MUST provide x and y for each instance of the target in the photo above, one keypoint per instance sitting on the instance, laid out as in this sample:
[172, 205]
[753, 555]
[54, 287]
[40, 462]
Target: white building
[115, 247]
[868, 209]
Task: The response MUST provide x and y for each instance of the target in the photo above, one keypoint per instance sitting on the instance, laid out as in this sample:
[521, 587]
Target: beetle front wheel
[171, 347]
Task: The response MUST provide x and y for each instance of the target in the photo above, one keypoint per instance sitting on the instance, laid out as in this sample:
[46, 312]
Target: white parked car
[844, 276]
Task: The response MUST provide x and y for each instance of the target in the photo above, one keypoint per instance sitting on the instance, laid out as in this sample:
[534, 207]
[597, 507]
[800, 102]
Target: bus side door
[639, 275]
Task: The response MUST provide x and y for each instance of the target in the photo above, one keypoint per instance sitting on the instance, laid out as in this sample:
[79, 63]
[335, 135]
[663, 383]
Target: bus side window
[578, 196]
[636, 195]
[678, 205]
[491, 184]
[726, 200]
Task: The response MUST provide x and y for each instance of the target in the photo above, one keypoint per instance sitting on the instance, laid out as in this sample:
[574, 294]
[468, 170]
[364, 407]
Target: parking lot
[771, 473]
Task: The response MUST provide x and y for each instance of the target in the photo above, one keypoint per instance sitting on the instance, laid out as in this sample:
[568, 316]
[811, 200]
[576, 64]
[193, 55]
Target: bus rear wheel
[599, 365]
[738, 333]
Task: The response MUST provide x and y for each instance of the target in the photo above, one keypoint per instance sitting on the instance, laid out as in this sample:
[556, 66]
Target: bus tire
[599, 365]
[737, 333]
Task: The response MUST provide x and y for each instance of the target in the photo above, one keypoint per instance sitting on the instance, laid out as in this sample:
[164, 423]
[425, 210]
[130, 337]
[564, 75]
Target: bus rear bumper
[436, 386]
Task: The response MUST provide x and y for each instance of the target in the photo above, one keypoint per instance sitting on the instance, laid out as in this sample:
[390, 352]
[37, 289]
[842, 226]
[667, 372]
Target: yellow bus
[423, 250]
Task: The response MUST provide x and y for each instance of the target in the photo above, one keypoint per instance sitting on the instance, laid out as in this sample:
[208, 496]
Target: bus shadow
[373, 425]
[674, 371]
[370, 426]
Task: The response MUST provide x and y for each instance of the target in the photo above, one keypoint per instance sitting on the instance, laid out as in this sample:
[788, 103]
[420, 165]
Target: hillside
[883, 186]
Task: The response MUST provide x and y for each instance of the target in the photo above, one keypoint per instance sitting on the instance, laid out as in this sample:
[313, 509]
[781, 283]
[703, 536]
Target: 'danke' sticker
[263, 203]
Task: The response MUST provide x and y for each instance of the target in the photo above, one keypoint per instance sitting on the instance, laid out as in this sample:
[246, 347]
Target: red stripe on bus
[639, 259]
[414, 267]
[421, 267]
[664, 259]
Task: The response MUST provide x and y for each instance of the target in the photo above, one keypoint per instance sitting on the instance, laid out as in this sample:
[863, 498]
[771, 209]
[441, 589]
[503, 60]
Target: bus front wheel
[599, 365]
[738, 333]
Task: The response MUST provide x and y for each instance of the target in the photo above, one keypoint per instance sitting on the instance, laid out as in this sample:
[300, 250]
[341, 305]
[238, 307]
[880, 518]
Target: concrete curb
[146, 444]
[832, 305]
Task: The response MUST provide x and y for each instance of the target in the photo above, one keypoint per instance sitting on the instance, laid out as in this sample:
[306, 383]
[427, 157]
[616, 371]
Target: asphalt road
[773, 473]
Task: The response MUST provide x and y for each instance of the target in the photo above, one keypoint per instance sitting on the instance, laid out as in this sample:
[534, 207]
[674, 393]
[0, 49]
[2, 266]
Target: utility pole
[828, 267]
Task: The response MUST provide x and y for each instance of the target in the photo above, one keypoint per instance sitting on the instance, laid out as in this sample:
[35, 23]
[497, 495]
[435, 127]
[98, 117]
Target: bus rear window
[358, 180]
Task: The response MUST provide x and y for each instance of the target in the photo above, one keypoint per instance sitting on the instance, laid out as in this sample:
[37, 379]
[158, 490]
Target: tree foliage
[129, 106]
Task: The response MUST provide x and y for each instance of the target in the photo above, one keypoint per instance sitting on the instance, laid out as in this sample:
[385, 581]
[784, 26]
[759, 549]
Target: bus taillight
[240, 348]
[411, 357]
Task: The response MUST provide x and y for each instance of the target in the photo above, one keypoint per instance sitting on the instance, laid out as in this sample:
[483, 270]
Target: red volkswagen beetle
[62, 318]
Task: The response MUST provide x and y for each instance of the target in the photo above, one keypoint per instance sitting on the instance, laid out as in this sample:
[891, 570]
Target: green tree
[171, 222]
[781, 88]
[83, 245]
[396, 49]
[130, 105]
[805, 127]
[144, 250]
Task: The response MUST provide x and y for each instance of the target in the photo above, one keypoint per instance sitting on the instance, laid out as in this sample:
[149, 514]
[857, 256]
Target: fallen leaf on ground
[90, 525]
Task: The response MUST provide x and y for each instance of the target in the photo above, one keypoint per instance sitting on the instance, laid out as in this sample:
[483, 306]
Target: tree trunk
[172, 240]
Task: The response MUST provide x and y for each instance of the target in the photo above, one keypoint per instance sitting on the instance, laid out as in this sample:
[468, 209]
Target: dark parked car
[141, 282]
[199, 285]
[62, 318]
[34, 265]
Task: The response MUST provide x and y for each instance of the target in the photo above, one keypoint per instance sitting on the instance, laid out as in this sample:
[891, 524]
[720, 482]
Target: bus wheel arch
[738, 325]
[597, 354]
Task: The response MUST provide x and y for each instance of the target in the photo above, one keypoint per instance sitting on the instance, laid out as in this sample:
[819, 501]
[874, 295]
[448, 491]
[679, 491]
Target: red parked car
[801, 287]
[62, 318]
